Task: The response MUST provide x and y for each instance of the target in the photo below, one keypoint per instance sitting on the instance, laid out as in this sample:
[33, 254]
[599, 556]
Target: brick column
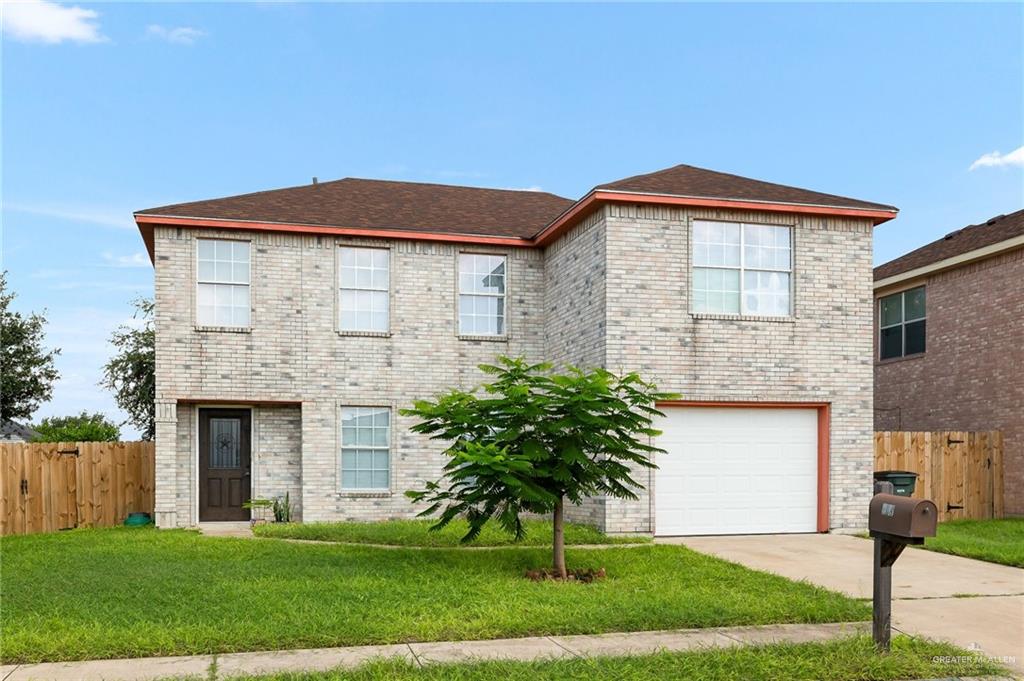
[166, 465]
[319, 459]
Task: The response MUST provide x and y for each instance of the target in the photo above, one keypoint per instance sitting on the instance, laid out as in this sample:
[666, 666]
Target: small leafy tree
[535, 440]
[131, 373]
[82, 428]
[27, 372]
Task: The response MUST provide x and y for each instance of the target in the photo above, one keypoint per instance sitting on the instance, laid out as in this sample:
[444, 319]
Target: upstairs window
[222, 283]
[901, 321]
[742, 269]
[365, 275]
[481, 295]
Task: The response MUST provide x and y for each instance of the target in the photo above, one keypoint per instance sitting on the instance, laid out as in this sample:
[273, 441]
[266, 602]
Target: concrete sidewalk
[970, 603]
[322, 659]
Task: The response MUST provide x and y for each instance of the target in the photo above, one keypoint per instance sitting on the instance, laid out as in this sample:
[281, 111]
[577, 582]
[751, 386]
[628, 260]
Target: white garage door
[734, 470]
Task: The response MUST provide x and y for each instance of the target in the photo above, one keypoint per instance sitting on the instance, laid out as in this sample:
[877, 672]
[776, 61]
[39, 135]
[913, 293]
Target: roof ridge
[452, 186]
[317, 184]
[747, 179]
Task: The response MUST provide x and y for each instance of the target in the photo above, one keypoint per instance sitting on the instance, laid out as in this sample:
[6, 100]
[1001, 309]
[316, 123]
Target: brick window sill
[365, 334]
[365, 494]
[486, 339]
[896, 360]
[742, 318]
[221, 329]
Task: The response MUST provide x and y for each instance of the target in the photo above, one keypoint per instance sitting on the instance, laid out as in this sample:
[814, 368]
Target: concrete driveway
[968, 602]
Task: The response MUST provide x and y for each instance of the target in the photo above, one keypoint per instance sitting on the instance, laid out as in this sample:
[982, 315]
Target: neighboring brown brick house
[949, 341]
[293, 325]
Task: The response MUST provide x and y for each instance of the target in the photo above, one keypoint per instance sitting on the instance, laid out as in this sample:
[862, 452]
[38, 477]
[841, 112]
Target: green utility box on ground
[903, 482]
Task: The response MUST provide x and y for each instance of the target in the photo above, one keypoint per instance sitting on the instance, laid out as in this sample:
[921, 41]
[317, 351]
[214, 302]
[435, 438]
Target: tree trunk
[559, 527]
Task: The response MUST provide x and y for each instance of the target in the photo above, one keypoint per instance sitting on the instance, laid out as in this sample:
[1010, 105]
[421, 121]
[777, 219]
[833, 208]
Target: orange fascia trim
[566, 220]
[546, 235]
[141, 220]
[824, 438]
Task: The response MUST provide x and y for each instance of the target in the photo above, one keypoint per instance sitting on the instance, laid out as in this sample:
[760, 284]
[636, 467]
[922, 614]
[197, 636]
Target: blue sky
[109, 108]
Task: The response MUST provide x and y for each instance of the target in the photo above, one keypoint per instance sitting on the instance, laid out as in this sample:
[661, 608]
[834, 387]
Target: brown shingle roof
[381, 204]
[971, 237]
[690, 181]
[464, 212]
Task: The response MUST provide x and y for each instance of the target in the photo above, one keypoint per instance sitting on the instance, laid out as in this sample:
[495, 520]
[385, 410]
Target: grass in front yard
[123, 592]
[851, 659]
[997, 541]
[417, 533]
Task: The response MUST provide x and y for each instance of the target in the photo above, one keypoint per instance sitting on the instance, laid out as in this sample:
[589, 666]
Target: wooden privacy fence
[961, 471]
[50, 486]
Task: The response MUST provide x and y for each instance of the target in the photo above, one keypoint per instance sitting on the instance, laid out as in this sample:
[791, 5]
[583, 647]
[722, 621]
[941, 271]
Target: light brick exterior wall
[294, 354]
[971, 375]
[575, 304]
[613, 291]
[821, 354]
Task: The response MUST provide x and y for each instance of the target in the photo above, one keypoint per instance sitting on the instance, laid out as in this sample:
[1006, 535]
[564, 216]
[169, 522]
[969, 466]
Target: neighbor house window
[742, 269]
[901, 321]
[481, 294]
[364, 275]
[222, 283]
[365, 448]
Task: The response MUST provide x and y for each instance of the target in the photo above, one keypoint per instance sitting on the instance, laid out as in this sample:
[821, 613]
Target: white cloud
[75, 214]
[138, 259]
[997, 159]
[49, 22]
[177, 35]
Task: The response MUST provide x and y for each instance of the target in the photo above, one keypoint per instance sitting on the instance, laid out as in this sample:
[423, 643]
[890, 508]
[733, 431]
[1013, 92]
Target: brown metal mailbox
[902, 517]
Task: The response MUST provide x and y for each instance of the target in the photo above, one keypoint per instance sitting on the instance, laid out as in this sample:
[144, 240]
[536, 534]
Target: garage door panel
[736, 471]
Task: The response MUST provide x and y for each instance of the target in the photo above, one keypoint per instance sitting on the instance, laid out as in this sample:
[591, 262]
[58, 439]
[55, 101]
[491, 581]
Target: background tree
[534, 440]
[131, 373]
[27, 372]
[82, 428]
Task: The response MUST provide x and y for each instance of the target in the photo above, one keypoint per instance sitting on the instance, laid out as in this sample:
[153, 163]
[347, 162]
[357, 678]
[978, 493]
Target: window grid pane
[913, 304]
[716, 290]
[365, 447]
[222, 283]
[902, 324]
[364, 279]
[481, 294]
[742, 268]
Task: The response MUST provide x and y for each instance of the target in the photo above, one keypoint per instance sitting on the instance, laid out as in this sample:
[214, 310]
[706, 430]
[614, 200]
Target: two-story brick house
[293, 324]
[949, 341]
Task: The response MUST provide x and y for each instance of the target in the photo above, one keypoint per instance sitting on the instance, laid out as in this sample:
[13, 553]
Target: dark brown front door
[224, 464]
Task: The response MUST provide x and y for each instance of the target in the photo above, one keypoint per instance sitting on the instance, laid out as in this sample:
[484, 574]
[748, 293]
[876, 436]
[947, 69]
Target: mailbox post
[894, 522]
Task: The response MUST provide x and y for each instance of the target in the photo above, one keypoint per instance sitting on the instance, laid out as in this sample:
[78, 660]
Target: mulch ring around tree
[584, 575]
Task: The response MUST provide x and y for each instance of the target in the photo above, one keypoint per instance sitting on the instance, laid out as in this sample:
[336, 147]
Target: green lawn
[134, 592]
[851, 659]
[997, 541]
[417, 533]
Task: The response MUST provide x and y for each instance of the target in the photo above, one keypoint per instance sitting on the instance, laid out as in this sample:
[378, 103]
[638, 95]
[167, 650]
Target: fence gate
[51, 486]
[961, 471]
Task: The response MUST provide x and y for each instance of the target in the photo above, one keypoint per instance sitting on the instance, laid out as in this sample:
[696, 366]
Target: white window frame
[743, 269]
[339, 288]
[459, 293]
[199, 281]
[374, 448]
[903, 323]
